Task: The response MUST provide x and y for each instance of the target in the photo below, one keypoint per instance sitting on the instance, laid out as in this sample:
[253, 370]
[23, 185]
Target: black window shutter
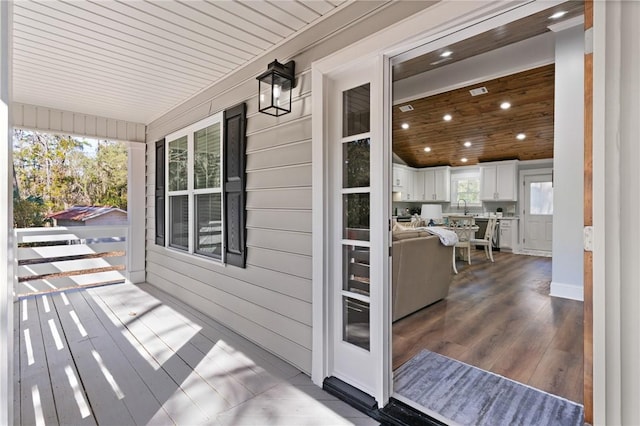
[235, 216]
[159, 194]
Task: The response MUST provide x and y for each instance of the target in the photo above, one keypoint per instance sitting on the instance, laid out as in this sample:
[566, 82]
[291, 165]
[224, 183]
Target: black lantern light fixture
[274, 88]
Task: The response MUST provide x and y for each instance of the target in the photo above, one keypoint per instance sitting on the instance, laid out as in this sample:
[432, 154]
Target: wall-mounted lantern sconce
[274, 88]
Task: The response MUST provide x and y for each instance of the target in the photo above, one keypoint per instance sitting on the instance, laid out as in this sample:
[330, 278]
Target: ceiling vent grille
[406, 108]
[478, 91]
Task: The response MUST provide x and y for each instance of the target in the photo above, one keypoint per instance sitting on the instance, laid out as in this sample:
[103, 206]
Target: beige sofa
[421, 271]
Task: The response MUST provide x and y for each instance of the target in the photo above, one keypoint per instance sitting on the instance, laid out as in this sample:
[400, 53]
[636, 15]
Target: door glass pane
[179, 221]
[209, 224]
[356, 269]
[178, 164]
[355, 164]
[541, 199]
[355, 320]
[206, 161]
[356, 110]
[355, 214]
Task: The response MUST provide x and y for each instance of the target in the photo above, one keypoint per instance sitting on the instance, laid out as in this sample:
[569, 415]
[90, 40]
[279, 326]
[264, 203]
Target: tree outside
[54, 172]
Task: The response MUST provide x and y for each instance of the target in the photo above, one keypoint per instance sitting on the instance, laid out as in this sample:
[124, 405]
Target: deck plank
[176, 402]
[218, 369]
[171, 364]
[258, 369]
[119, 385]
[107, 406]
[234, 343]
[175, 363]
[37, 403]
[72, 407]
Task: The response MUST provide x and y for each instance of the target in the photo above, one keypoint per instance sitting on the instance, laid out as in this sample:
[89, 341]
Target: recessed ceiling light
[505, 105]
[558, 15]
[446, 54]
[464, 160]
[405, 126]
[427, 149]
[467, 144]
[521, 136]
[447, 117]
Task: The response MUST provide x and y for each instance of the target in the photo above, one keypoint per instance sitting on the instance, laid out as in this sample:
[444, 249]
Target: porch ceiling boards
[134, 60]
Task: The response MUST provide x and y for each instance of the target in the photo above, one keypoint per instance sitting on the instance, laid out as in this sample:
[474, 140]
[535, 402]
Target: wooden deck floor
[126, 354]
[499, 317]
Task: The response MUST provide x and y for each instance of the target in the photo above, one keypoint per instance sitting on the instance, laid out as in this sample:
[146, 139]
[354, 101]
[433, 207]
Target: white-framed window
[194, 188]
[465, 186]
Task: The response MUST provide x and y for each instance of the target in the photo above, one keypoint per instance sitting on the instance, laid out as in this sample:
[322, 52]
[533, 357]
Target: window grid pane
[178, 152]
[541, 198]
[356, 110]
[356, 163]
[355, 210]
[206, 172]
[209, 224]
[179, 221]
[467, 189]
[356, 322]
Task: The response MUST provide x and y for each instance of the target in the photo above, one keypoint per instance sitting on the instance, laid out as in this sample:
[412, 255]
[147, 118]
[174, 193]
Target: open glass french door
[358, 246]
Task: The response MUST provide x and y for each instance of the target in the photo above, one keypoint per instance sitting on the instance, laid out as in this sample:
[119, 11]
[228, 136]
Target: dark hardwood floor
[499, 317]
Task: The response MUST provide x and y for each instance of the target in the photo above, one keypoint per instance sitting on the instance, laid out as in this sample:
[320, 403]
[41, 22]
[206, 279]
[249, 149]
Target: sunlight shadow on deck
[126, 354]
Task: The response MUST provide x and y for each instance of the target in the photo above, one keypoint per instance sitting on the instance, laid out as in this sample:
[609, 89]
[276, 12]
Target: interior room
[489, 128]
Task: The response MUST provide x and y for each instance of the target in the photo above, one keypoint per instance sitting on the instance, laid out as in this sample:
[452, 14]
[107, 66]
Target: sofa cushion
[403, 235]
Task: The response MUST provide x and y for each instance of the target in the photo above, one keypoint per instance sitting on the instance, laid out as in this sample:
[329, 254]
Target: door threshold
[396, 412]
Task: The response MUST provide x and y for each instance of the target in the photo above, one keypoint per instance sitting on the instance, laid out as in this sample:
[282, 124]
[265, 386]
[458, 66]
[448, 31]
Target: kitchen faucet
[466, 210]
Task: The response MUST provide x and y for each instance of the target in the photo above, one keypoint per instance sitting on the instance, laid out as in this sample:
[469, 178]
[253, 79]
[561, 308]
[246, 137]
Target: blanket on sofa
[447, 237]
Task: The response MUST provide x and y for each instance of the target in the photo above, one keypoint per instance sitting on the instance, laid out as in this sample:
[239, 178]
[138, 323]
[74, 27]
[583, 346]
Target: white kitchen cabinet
[418, 186]
[498, 181]
[399, 177]
[509, 234]
[437, 184]
[403, 178]
[409, 191]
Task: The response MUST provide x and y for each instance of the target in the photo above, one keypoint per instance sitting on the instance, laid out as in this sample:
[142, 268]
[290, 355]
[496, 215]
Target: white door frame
[457, 21]
[7, 241]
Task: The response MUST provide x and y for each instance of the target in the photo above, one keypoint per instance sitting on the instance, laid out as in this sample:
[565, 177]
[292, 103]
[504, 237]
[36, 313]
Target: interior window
[466, 187]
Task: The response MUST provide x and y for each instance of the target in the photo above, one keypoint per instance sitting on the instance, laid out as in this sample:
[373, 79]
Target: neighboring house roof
[83, 213]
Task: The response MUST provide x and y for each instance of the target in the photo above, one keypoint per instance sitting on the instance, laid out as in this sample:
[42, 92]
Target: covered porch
[132, 354]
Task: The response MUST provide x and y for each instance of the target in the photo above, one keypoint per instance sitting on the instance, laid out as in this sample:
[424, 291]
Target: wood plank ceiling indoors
[479, 120]
[134, 60]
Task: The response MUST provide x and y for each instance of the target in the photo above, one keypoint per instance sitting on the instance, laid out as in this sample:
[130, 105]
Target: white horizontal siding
[269, 302]
[264, 336]
[49, 120]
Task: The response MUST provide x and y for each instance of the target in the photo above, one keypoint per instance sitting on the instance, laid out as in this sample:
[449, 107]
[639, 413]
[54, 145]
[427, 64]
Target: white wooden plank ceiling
[133, 59]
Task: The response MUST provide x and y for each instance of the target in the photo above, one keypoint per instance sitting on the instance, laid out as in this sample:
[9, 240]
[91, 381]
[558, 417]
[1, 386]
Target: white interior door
[356, 230]
[538, 212]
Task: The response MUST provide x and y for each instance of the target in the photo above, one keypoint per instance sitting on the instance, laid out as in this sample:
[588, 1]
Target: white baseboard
[567, 291]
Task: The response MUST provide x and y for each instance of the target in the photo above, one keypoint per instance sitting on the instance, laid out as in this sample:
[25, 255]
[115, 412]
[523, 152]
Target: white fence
[58, 258]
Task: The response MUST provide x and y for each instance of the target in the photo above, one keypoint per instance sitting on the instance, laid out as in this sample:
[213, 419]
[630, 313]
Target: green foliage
[28, 212]
[63, 171]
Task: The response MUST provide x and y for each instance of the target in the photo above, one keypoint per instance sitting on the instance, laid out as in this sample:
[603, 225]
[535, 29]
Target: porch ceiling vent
[406, 108]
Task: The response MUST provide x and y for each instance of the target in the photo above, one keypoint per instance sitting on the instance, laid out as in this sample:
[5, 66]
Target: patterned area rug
[470, 396]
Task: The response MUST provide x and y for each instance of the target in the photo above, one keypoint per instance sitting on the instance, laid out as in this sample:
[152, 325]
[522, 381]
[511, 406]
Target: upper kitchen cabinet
[403, 182]
[498, 181]
[436, 183]
[399, 178]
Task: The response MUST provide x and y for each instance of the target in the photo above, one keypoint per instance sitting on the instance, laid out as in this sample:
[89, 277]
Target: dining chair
[487, 241]
[464, 227]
